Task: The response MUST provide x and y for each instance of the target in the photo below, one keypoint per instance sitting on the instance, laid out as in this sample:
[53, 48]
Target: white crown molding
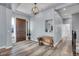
[65, 5]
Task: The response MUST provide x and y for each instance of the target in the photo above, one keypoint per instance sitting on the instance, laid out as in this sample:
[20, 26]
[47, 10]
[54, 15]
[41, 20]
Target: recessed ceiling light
[64, 8]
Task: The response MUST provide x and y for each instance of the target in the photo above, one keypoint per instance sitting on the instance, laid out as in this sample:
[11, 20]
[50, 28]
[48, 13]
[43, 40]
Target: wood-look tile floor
[31, 48]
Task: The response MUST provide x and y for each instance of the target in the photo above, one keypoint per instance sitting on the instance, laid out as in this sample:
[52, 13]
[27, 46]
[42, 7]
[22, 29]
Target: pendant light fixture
[35, 9]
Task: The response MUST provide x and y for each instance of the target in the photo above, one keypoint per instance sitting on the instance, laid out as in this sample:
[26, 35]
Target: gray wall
[2, 27]
[67, 21]
[38, 25]
[5, 27]
[75, 23]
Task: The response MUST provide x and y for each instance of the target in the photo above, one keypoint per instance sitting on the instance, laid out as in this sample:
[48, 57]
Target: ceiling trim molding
[65, 5]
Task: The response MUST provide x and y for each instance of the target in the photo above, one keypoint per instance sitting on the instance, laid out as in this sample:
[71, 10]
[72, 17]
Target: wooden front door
[20, 29]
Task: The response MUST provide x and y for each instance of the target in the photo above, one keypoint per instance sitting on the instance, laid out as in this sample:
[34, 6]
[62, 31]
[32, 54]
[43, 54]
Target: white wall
[5, 27]
[2, 27]
[66, 32]
[38, 25]
[8, 25]
[57, 27]
[67, 28]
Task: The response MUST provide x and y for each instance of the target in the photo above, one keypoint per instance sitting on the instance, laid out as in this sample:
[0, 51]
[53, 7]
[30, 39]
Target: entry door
[20, 29]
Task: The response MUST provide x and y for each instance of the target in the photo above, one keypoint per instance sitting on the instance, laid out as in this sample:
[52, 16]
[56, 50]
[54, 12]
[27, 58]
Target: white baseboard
[7, 47]
[2, 47]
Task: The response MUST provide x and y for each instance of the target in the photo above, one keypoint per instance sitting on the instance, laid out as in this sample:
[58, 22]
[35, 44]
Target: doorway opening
[19, 29]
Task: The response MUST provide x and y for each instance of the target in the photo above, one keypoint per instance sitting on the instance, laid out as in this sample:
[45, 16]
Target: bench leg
[40, 43]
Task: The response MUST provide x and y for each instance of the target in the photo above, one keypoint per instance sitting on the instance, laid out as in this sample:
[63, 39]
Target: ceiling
[27, 7]
[67, 12]
[64, 9]
[70, 8]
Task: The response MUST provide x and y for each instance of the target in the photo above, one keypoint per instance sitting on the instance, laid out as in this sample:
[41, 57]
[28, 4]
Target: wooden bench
[46, 40]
